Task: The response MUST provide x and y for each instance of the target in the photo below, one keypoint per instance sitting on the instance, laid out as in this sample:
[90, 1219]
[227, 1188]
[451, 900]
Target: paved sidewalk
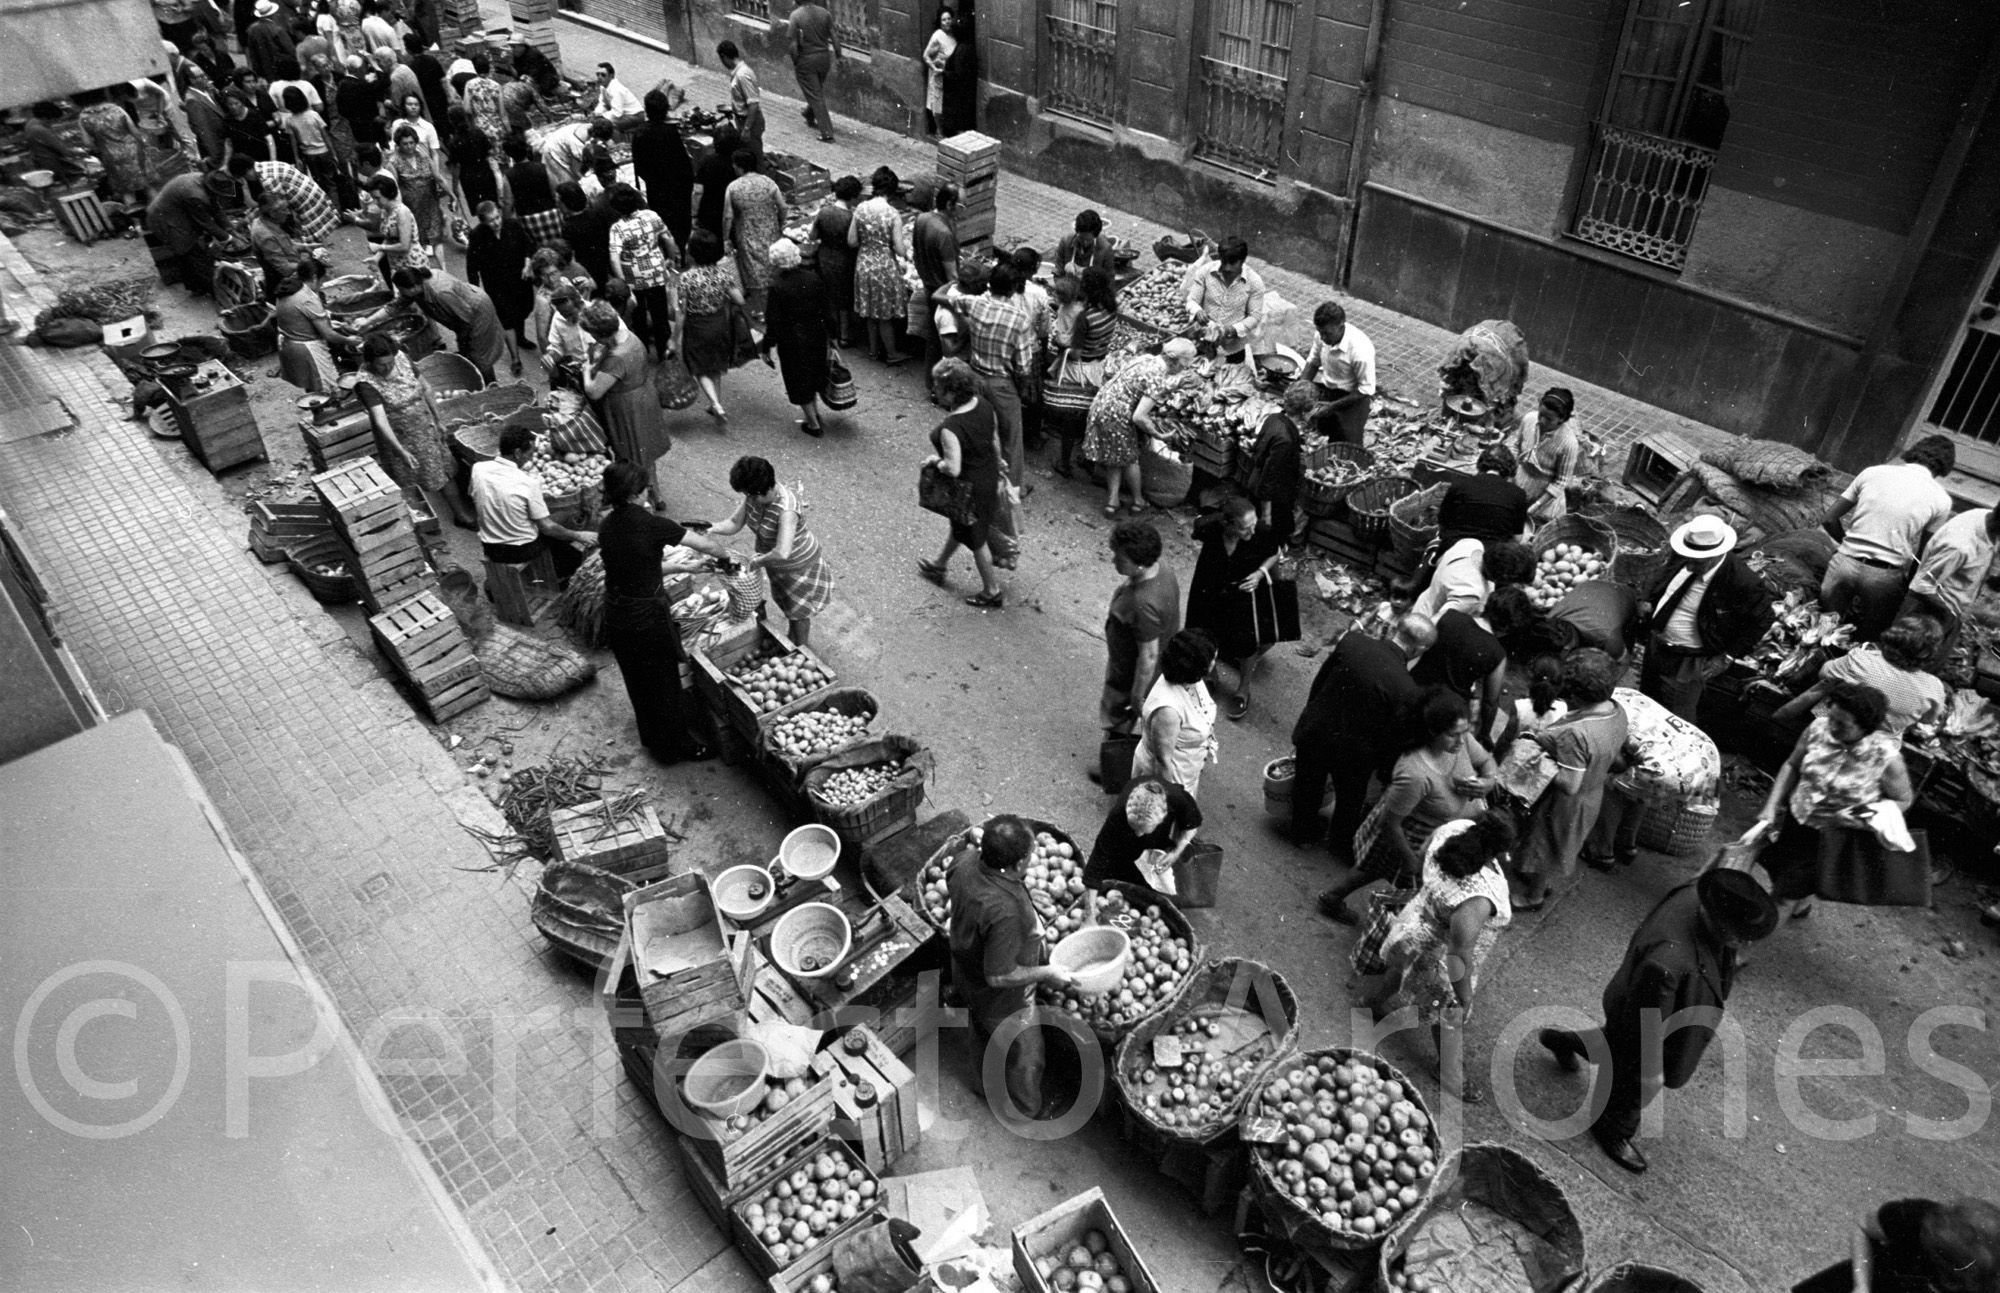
[1407, 349]
[344, 803]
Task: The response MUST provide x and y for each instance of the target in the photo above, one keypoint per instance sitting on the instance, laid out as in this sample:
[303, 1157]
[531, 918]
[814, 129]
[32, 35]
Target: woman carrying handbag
[967, 451]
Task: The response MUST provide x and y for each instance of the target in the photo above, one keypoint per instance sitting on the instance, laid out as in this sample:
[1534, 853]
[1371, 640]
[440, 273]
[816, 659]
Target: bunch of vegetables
[1347, 590]
[1357, 1151]
[772, 679]
[1155, 298]
[851, 786]
[1800, 639]
[1088, 1267]
[799, 1211]
[1560, 569]
[1204, 1086]
[1159, 963]
[1053, 878]
[1193, 408]
[1338, 473]
[817, 731]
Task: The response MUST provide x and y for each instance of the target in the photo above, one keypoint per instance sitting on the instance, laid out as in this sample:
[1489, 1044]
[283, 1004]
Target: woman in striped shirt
[1076, 367]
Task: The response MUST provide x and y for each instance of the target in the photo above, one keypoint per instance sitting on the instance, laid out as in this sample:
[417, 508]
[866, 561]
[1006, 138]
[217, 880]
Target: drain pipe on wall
[1364, 126]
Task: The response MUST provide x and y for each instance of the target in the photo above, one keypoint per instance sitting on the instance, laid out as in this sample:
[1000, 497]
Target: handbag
[839, 394]
[1065, 392]
[674, 384]
[1527, 771]
[948, 496]
[1384, 905]
[1274, 610]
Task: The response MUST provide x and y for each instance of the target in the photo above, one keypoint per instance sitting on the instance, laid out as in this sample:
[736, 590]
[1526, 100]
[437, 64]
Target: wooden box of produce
[870, 790]
[687, 976]
[830, 1193]
[754, 670]
[212, 407]
[1077, 1235]
[742, 1152]
[1165, 952]
[277, 526]
[338, 433]
[422, 639]
[358, 497]
[1054, 878]
[795, 737]
[1319, 1191]
[622, 835]
[880, 1121]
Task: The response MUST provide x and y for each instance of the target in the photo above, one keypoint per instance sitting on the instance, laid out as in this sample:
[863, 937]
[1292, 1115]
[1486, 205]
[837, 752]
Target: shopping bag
[948, 496]
[839, 393]
[674, 384]
[571, 426]
[1384, 905]
[1527, 771]
[1274, 606]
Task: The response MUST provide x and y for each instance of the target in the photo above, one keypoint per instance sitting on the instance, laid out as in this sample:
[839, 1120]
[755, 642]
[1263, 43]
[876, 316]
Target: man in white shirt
[615, 103]
[1888, 512]
[1342, 365]
[1468, 572]
[746, 100]
[1956, 562]
[562, 153]
[564, 347]
[1230, 299]
[514, 522]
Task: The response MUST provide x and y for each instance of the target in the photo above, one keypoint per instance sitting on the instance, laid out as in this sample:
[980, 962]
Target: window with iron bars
[1245, 79]
[1081, 74]
[1663, 118]
[851, 25]
[751, 8]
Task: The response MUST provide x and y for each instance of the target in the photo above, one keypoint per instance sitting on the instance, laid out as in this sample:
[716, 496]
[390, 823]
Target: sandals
[1111, 510]
[932, 571]
[987, 601]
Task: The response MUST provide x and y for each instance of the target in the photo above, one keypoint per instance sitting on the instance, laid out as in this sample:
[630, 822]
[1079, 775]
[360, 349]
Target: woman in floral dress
[705, 311]
[1123, 410]
[881, 252]
[422, 185]
[801, 576]
[115, 140]
[409, 443]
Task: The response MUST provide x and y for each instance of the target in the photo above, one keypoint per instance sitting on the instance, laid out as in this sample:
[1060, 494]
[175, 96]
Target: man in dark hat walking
[1663, 1006]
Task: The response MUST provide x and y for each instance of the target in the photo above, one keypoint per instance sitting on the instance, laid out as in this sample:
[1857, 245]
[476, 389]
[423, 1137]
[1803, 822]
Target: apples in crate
[816, 732]
[774, 682]
[797, 1213]
[1053, 878]
[569, 473]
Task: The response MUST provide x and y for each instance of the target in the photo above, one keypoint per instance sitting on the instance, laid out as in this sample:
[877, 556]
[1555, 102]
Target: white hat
[267, 8]
[1703, 537]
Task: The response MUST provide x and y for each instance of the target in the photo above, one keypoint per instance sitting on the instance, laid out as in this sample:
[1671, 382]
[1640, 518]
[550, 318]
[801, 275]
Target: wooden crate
[753, 1248]
[1064, 1226]
[727, 700]
[1338, 540]
[338, 438]
[629, 843]
[967, 148]
[424, 643]
[686, 972]
[355, 495]
[212, 409]
[772, 996]
[798, 1277]
[1655, 462]
[885, 1130]
[752, 1156]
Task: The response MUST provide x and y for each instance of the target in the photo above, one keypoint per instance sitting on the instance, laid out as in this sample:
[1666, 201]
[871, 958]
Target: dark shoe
[987, 601]
[1622, 1152]
[1597, 861]
[897, 361]
[1238, 707]
[806, 113]
[1335, 909]
[1096, 775]
[932, 571]
[826, 139]
[1063, 469]
[813, 429]
[1565, 1045]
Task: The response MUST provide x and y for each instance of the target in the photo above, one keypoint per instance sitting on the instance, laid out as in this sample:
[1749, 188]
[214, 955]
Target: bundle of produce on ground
[1053, 878]
[1159, 963]
[1088, 1267]
[572, 473]
[773, 679]
[816, 732]
[857, 785]
[1155, 298]
[1357, 1150]
[797, 1212]
[1201, 1085]
[1561, 568]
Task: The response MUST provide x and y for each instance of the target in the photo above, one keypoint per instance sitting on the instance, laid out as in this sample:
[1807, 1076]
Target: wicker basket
[1642, 544]
[1637, 1277]
[251, 330]
[1506, 1182]
[1674, 826]
[525, 667]
[1368, 505]
[913, 888]
[581, 911]
[1323, 501]
[856, 824]
[1583, 531]
[1285, 1210]
[1220, 987]
[324, 549]
[1413, 523]
[1138, 898]
[852, 701]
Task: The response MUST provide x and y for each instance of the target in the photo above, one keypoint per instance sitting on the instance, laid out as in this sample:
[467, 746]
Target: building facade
[1776, 216]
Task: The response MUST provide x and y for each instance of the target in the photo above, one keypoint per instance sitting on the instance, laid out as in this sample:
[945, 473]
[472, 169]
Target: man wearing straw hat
[1663, 1006]
[1706, 608]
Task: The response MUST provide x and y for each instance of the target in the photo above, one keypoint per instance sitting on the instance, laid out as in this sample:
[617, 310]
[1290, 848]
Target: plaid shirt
[315, 214]
[1000, 333]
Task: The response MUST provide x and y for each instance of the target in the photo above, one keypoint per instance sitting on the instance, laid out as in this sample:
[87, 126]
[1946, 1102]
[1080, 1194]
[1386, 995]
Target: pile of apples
[851, 786]
[775, 1099]
[799, 1211]
[1205, 1086]
[1560, 569]
[1088, 1267]
[570, 473]
[1358, 1152]
[1053, 878]
[774, 681]
[817, 731]
[1159, 964]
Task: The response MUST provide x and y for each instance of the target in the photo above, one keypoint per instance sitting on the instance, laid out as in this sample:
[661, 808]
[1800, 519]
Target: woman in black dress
[1148, 814]
[968, 447]
[496, 258]
[836, 259]
[470, 153]
[715, 173]
[1237, 554]
[660, 161]
[799, 323]
[637, 622]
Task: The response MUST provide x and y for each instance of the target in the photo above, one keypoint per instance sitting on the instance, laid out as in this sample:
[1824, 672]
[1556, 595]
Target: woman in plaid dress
[801, 577]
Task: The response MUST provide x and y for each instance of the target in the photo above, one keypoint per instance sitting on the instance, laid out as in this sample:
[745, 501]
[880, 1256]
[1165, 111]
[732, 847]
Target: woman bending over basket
[408, 440]
[801, 576]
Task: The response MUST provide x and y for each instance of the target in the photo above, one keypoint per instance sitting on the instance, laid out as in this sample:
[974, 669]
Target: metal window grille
[1245, 81]
[751, 8]
[1968, 401]
[1663, 117]
[851, 24]
[1081, 76]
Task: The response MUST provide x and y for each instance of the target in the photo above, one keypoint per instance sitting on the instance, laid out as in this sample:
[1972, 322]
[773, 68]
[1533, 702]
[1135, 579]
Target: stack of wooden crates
[536, 20]
[423, 641]
[972, 162]
[373, 524]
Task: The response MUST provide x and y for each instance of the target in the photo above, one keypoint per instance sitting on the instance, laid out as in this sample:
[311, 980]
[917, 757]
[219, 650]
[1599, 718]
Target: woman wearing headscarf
[1548, 453]
[409, 443]
[454, 305]
[307, 338]
[1237, 554]
[801, 577]
[497, 252]
[615, 375]
[1275, 460]
[799, 324]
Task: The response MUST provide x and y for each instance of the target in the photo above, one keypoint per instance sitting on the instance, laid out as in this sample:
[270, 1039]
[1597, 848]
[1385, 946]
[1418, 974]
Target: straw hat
[267, 8]
[1703, 537]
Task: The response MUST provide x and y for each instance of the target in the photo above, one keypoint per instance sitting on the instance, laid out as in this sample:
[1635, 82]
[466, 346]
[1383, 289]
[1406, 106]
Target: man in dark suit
[1348, 728]
[1706, 608]
[1663, 1006]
